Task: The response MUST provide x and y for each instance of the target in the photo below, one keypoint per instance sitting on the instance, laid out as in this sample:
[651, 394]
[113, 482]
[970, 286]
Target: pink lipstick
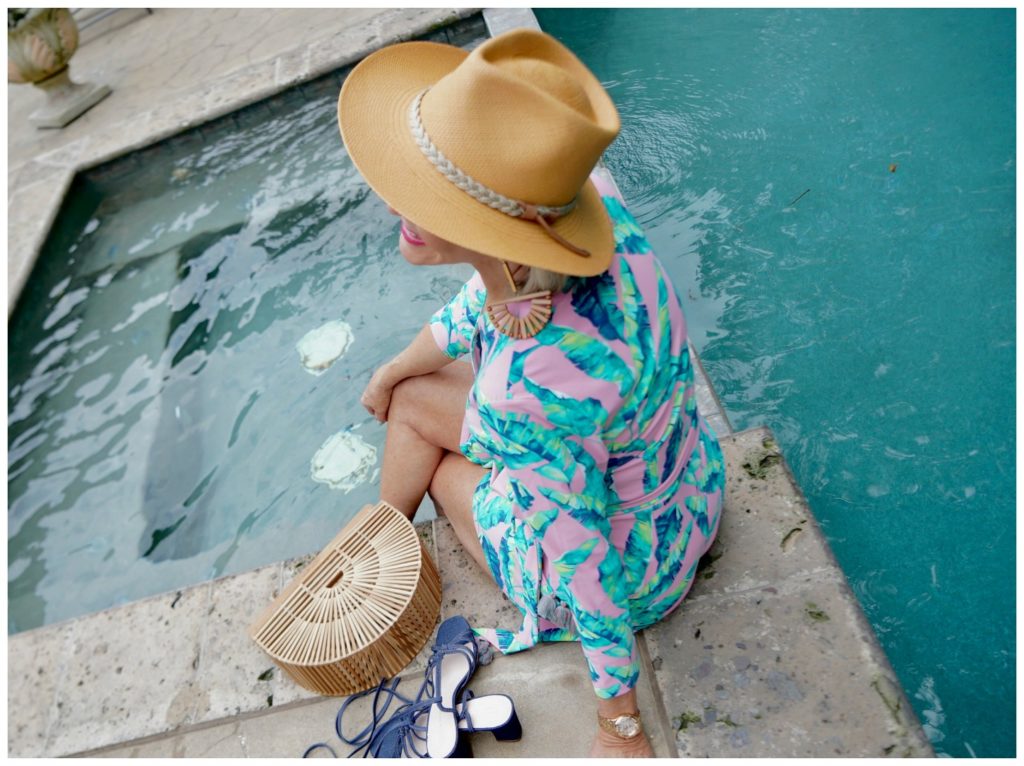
[411, 238]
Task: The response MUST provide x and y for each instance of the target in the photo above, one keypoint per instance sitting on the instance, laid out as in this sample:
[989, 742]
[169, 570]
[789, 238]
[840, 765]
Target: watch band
[626, 726]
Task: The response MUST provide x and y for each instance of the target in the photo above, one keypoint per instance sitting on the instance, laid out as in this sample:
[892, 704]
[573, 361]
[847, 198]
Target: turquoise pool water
[870, 321]
[165, 426]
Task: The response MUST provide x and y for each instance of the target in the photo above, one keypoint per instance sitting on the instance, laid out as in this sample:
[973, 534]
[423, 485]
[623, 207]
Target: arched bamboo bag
[362, 609]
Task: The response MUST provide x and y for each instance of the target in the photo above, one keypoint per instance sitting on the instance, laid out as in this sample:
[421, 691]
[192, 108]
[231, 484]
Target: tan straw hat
[480, 148]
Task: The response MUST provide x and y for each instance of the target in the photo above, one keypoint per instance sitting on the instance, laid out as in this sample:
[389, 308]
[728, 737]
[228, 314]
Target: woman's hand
[420, 357]
[376, 397]
[607, 745]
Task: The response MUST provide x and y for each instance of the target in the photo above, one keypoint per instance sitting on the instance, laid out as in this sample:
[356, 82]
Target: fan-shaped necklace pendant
[521, 327]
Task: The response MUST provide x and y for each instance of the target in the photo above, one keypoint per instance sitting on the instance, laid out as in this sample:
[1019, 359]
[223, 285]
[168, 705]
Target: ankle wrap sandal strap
[366, 734]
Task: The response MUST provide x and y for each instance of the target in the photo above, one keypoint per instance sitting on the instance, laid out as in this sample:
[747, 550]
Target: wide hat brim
[373, 116]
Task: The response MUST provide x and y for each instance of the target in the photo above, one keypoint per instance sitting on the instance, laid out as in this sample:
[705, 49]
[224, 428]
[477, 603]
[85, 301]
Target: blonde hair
[542, 279]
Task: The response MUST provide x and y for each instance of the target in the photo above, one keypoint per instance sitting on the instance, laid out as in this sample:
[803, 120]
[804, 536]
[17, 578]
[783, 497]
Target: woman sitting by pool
[569, 457]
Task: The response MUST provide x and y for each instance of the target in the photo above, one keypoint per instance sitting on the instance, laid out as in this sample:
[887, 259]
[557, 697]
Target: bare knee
[432, 405]
[406, 401]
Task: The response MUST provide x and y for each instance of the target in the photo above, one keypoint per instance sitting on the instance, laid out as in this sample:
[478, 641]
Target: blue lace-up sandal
[432, 724]
[404, 734]
[453, 660]
[407, 733]
[492, 712]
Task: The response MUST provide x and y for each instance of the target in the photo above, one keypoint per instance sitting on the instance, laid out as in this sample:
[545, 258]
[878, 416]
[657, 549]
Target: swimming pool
[186, 359]
[834, 193]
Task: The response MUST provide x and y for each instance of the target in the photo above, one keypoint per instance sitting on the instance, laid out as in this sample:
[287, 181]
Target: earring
[515, 326]
[508, 275]
[520, 327]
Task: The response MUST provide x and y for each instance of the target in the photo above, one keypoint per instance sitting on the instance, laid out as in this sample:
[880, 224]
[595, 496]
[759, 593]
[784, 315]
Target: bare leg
[453, 486]
[424, 422]
[421, 451]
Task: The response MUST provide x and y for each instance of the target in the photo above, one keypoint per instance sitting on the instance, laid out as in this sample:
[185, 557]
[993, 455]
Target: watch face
[627, 726]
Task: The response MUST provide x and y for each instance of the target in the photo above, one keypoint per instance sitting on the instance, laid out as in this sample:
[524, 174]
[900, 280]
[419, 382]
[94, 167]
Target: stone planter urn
[40, 42]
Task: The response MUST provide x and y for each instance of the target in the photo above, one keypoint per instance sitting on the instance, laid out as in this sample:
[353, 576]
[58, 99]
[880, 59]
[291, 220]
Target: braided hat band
[517, 120]
[480, 192]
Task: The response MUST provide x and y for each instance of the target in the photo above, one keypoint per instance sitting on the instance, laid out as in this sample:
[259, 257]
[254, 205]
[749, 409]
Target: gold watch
[625, 726]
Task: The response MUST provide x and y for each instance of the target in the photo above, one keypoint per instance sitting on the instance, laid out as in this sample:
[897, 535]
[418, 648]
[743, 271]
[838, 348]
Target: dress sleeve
[555, 462]
[454, 323]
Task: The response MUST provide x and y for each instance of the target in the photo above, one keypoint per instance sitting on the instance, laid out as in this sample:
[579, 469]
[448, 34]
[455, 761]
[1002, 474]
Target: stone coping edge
[56, 169]
[75, 699]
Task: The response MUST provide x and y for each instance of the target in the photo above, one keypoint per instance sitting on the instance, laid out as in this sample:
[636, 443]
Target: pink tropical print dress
[605, 485]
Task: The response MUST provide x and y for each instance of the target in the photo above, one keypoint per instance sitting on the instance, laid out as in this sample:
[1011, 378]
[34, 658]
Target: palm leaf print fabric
[605, 483]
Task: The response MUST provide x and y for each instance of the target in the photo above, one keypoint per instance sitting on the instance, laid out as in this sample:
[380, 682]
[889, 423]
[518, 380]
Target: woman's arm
[445, 338]
[421, 357]
[556, 478]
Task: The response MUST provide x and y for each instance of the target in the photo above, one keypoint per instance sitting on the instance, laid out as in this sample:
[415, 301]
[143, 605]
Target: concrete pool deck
[769, 656]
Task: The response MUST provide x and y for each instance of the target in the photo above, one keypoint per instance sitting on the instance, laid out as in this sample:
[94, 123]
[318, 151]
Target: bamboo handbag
[362, 609]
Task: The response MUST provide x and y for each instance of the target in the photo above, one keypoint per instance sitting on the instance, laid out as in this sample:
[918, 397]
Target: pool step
[769, 655]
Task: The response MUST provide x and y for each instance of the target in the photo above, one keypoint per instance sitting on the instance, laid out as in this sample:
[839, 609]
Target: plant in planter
[40, 42]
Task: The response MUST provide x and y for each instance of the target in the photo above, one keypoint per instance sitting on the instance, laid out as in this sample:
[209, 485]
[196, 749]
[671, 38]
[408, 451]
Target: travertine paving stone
[121, 684]
[34, 668]
[779, 671]
[43, 198]
[287, 733]
[235, 675]
[162, 747]
[224, 741]
[238, 682]
[772, 656]
[555, 701]
[466, 589]
[774, 664]
[501, 20]
[549, 685]
[767, 531]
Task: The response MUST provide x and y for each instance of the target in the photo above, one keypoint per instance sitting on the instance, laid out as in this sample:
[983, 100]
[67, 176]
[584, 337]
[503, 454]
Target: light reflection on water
[162, 425]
